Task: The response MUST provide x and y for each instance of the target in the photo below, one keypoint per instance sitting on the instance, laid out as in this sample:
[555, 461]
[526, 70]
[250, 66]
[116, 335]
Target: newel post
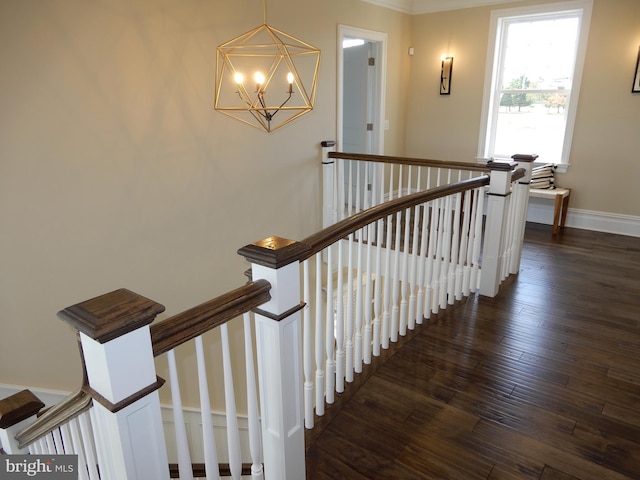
[520, 205]
[329, 193]
[17, 412]
[495, 226]
[120, 370]
[279, 349]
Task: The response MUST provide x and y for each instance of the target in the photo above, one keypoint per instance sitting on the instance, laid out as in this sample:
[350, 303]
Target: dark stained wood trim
[111, 315]
[282, 316]
[191, 323]
[476, 167]
[115, 407]
[18, 407]
[521, 157]
[273, 252]
[501, 166]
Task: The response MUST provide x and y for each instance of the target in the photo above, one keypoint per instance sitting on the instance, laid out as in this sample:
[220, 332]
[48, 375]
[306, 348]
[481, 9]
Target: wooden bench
[561, 198]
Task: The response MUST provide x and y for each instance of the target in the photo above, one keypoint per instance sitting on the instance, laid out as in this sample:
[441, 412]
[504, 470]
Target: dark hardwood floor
[541, 382]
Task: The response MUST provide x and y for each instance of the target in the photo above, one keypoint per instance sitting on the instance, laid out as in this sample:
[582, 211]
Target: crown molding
[417, 7]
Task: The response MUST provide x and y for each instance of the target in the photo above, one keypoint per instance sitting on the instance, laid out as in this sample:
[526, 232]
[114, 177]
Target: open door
[361, 82]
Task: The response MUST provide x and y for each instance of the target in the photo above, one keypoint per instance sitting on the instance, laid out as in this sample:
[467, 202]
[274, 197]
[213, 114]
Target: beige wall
[604, 159]
[115, 171]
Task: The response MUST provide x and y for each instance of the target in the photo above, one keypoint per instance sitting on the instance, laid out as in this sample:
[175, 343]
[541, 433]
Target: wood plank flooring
[541, 382]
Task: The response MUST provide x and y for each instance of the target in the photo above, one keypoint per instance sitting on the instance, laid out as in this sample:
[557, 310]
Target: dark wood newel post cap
[501, 166]
[274, 252]
[18, 407]
[111, 315]
[521, 157]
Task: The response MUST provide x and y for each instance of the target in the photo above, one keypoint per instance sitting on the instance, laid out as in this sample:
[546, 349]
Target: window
[533, 80]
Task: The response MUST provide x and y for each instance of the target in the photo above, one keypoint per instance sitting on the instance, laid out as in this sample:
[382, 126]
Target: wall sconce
[636, 77]
[284, 70]
[445, 75]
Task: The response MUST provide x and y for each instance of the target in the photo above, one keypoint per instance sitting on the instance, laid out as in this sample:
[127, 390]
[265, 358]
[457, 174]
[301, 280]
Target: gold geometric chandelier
[265, 77]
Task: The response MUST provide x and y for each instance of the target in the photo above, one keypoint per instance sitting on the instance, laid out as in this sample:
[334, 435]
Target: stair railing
[321, 307]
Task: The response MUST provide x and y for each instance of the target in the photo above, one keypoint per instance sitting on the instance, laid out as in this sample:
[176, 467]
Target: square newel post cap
[501, 166]
[18, 407]
[274, 252]
[521, 157]
[111, 315]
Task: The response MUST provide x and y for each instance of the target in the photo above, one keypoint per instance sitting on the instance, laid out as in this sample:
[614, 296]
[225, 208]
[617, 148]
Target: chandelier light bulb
[259, 78]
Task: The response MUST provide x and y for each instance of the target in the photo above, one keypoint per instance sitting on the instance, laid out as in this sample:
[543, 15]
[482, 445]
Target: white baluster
[446, 252]
[233, 436]
[58, 443]
[477, 241]
[108, 467]
[339, 328]
[348, 340]
[366, 307]
[421, 263]
[66, 445]
[87, 436]
[307, 349]
[395, 309]
[330, 370]
[184, 456]
[386, 313]
[413, 281]
[319, 338]
[76, 440]
[455, 243]
[437, 261]
[404, 275]
[255, 449]
[461, 275]
[377, 296]
[357, 342]
[208, 437]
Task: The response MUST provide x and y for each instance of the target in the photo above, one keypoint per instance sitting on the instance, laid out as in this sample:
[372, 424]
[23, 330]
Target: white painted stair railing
[318, 310]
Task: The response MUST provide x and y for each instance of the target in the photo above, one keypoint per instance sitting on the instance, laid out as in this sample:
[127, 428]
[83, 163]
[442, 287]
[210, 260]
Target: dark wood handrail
[333, 233]
[173, 331]
[421, 162]
[330, 235]
[72, 406]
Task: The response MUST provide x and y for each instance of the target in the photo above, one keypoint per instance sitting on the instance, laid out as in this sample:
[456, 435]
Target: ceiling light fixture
[284, 71]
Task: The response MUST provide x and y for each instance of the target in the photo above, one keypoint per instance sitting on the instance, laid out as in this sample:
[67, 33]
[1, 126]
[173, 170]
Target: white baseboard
[193, 424]
[541, 211]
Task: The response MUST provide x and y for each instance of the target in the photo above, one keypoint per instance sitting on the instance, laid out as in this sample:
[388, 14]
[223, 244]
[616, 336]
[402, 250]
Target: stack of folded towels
[542, 176]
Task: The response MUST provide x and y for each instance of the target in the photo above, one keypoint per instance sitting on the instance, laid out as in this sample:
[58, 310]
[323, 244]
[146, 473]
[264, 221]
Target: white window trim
[490, 71]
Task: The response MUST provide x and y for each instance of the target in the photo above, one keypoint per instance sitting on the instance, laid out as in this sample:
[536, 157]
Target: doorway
[361, 87]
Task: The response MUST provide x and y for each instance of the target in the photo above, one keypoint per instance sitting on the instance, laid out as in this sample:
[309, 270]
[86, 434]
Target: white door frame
[380, 40]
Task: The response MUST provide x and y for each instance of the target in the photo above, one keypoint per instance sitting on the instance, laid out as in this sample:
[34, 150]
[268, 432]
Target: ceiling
[428, 6]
